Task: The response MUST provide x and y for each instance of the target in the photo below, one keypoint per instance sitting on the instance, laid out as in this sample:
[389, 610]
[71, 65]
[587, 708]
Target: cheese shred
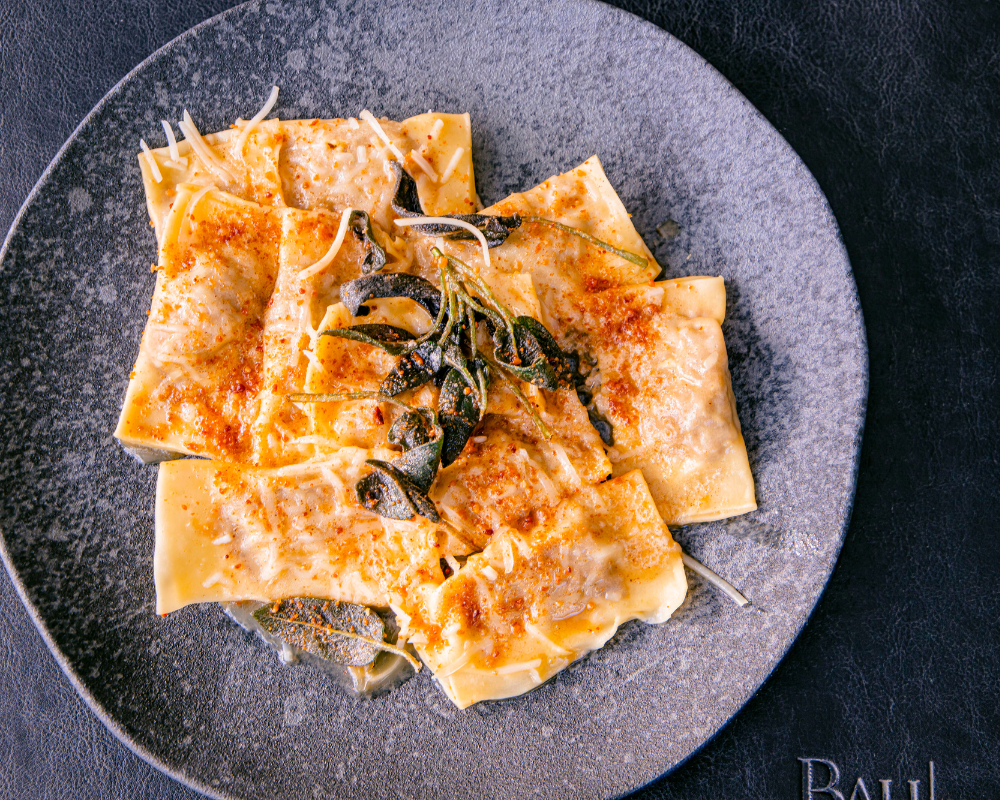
[456, 157]
[458, 223]
[271, 100]
[151, 161]
[203, 150]
[175, 154]
[331, 254]
[368, 117]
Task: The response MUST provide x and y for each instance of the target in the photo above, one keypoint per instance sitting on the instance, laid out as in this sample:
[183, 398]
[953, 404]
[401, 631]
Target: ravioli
[531, 603]
[543, 540]
[663, 378]
[321, 164]
[227, 532]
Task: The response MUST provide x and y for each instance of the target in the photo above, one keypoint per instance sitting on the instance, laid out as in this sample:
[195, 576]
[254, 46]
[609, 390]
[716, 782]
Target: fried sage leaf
[388, 492]
[405, 199]
[354, 294]
[459, 413]
[421, 463]
[494, 229]
[347, 633]
[387, 337]
[406, 203]
[412, 429]
[602, 426]
[361, 225]
[412, 370]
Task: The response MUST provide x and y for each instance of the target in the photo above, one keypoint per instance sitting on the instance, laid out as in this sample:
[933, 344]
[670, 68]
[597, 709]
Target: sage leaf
[347, 633]
[459, 414]
[389, 493]
[602, 426]
[421, 463]
[405, 199]
[412, 429]
[354, 294]
[414, 369]
[406, 203]
[361, 225]
[494, 229]
[387, 337]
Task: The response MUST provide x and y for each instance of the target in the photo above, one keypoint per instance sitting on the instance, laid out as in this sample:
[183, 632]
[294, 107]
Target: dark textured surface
[891, 110]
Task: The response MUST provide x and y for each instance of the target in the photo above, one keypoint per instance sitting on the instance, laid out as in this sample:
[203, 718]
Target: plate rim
[732, 92]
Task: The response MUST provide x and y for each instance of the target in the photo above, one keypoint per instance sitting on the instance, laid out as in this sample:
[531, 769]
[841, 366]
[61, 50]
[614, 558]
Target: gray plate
[547, 86]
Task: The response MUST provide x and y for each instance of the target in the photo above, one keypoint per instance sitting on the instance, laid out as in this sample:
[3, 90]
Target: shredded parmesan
[271, 100]
[453, 563]
[368, 117]
[353, 124]
[424, 164]
[536, 632]
[202, 149]
[436, 127]
[193, 202]
[456, 157]
[331, 254]
[214, 578]
[490, 573]
[151, 161]
[224, 539]
[524, 666]
[362, 154]
[564, 462]
[175, 154]
[458, 223]
[715, 579]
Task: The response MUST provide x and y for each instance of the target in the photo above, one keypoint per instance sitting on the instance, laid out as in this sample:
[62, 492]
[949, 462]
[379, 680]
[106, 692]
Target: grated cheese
[353, 124]
[368, 117]
[175, 154]
[214, 578]
[193, 202]
[424, 164]
[331, 254]
[456, 157]
[151, 161]
[224, 539]
[272, 98]
[202, 149]
[458, 223]
[489, 573]
[436, 128]
[524, 666]
[362, 154]
[565, 463]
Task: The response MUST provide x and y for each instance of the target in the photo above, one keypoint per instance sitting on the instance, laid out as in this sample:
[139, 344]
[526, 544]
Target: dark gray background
[895, 110]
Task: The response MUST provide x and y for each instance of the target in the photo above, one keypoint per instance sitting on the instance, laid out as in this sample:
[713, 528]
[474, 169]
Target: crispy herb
[406, 203]
[361, 225]
[388, 337]
[459, 410]
[412, 429]
[389, 493]
[449, 354]
[414, 369]
[639, 261]
[602, 426]
[354, 294]
[347, 633]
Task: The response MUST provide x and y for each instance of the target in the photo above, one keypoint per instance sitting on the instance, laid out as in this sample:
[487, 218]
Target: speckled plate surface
[547, 86]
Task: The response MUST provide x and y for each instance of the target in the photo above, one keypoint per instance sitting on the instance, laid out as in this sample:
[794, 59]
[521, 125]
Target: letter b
[809, 791]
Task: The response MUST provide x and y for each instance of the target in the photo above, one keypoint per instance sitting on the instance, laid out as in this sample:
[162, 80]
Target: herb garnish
[361, 225]
[450, 355]
[346, 633]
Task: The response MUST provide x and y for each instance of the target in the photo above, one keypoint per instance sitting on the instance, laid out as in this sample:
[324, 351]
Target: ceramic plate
[547, 85]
